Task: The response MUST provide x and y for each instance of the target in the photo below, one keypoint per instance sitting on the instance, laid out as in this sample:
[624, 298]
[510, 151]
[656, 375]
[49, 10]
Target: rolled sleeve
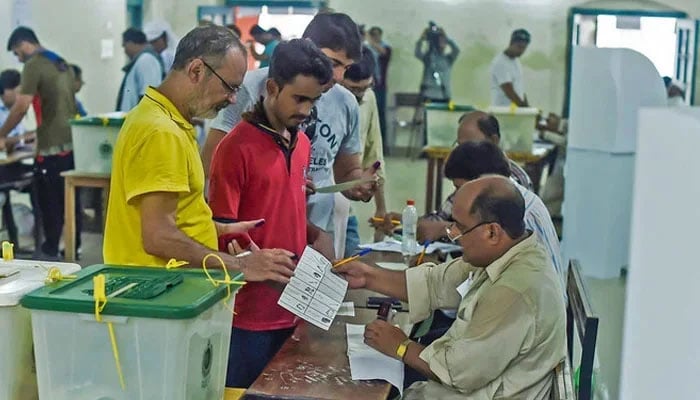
[501, 326]
[433, 287]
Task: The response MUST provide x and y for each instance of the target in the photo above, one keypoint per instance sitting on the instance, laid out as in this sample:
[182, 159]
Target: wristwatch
[401, 350]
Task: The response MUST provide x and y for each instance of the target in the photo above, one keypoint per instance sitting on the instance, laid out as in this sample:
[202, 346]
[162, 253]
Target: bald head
[494, 199]
[477, 126]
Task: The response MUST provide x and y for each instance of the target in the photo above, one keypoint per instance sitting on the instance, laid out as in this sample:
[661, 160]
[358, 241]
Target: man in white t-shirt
[507, 84]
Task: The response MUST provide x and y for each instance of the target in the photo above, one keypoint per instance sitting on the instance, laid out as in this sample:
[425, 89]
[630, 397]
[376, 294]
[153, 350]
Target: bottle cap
[410, 202]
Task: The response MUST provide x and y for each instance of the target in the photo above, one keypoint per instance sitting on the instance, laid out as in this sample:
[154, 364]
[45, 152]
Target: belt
[56, 150]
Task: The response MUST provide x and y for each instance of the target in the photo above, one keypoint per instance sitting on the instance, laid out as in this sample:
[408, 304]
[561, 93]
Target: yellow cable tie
[173, 263]
[8, 251]
[226, 281]
[513, 107]
[105, 121]
[54, 275]
[115, 352]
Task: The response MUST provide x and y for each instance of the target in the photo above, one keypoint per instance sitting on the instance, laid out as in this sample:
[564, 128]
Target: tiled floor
[406, 179]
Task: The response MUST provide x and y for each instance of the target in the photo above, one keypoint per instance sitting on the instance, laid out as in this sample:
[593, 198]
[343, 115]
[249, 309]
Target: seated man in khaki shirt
[509, 332]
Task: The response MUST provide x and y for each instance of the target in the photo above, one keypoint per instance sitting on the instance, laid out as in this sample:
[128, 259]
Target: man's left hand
[384, 337]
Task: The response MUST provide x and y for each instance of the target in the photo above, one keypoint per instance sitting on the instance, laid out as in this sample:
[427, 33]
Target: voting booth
[609, 86]
[660, 357]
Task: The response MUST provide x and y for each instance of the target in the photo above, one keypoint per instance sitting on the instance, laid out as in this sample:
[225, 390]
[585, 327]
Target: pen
[353, 258]
[393, 221]
[422, 254]
[244, 254]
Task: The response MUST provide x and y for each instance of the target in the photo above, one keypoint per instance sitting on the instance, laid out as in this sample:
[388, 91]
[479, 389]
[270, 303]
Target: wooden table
[436, 161]
[532, 162]
[75, 179]
[314, 364]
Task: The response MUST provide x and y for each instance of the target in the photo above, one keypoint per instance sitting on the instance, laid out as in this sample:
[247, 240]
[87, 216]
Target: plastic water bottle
[409, 224]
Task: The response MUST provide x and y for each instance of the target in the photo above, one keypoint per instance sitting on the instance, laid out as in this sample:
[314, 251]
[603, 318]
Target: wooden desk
[316, 366]
[436, 161]
[74, 179]
[534, 162]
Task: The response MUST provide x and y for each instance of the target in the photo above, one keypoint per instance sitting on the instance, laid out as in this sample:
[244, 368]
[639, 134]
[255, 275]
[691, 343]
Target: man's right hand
[386, 226]
[355, 272]
[267, 265]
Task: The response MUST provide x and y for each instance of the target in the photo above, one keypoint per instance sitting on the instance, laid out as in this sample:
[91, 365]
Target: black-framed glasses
[232, 89]
[453, 238]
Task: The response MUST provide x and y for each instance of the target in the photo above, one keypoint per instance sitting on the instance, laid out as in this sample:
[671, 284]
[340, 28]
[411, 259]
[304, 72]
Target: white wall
[182, 16]
[482, 28]
[74, 29]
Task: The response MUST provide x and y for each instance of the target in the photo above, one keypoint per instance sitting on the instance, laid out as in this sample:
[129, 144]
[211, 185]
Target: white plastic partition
[608, 88]
[661, 356]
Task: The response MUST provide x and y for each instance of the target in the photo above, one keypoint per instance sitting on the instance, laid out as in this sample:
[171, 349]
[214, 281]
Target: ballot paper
[394, 246]
[347, 309]
[368, 363]
[345, 185]
[314, 293]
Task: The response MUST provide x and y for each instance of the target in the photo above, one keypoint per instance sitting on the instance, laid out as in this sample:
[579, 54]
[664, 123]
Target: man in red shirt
[258, 171]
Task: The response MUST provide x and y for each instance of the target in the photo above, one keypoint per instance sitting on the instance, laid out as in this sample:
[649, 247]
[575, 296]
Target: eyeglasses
[232, 89]
[450, 228]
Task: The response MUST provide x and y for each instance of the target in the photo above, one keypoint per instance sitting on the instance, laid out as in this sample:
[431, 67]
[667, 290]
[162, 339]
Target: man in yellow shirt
[510, 328]
[157, 209]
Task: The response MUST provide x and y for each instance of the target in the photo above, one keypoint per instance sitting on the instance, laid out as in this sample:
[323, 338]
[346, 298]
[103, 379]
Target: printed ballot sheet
[314, 293]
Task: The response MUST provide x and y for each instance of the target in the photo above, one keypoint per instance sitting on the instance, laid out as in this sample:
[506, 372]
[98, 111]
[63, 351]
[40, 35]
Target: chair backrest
[407, 99]
[580, 313]
[562, 387]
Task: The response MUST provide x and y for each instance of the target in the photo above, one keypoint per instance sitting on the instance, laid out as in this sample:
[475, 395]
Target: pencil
[393, 221]
[422, 254]
[353, 258]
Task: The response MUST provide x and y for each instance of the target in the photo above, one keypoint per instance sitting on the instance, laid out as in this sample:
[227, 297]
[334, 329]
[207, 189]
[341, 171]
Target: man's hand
[430, 230]
[366, 190]
[355, 272]
[386, 226]
[310, 187]
[384, 337]
[324, 245]
[237, 227]
[267, 265]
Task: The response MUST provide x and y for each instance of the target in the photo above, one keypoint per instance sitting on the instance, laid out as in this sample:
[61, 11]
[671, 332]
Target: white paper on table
[393, 266]
[368, 363]
[394, 246]
[314, 293]
[347, 309]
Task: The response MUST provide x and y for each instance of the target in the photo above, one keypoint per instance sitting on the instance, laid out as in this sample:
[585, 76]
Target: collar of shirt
[258, 117]
[496, 268]
[169, 108]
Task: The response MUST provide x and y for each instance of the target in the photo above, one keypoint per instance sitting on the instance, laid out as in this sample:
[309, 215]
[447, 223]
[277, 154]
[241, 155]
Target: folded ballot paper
[368, 363]
[314, 293]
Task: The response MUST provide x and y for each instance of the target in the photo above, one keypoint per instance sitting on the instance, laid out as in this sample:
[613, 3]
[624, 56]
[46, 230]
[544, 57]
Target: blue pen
[353, 258]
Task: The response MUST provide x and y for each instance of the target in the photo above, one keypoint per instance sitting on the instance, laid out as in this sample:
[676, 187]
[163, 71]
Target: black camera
[433, 35]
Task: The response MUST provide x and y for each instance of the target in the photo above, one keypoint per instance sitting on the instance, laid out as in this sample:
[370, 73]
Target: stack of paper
[394, 246]
[314, 293]
[368, 363]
